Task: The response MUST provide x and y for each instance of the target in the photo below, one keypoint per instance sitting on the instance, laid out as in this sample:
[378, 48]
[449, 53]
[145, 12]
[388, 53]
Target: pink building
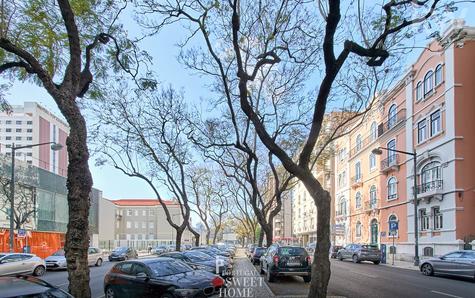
[33, 124]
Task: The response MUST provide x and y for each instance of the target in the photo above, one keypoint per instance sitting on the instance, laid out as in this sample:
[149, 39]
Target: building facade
[282, 224]
[30, 124]
[427, 113]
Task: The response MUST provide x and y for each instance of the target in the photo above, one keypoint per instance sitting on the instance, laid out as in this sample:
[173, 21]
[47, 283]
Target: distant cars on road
[123, 253]
[360, 252]
[286, 261]
[27, 286]
[158, 250]
[21, 263]
[159, 277]
[58, 259]
[202, 261]
[457, 263]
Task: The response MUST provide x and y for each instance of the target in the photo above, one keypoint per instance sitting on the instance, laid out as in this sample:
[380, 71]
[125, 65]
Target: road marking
[445, 294]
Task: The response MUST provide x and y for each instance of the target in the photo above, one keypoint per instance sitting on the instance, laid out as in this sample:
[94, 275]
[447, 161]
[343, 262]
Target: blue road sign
[21, 233]
[393, 226]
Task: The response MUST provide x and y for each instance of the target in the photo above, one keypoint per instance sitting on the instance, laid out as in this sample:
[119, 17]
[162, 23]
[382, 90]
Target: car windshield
[168, 267]
[369, 246]
[1, 256]
[198, 257]
[120, 249]
[59, 253]
[292, 251]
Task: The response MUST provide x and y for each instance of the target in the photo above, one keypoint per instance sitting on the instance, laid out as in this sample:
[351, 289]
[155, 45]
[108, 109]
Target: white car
[21, 263]
[58, 259]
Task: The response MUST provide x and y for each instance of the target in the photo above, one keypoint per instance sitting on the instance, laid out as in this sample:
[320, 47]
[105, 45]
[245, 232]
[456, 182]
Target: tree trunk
[179, 234]
[79, 184]
[215, 236]
[195, 233]
[269, 235]
[208, 232]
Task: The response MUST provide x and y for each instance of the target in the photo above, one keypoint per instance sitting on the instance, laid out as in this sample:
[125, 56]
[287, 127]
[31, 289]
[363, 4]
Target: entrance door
[374, 231]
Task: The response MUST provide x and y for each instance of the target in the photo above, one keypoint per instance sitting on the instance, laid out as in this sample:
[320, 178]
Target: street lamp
[55, 147]
[379, 151]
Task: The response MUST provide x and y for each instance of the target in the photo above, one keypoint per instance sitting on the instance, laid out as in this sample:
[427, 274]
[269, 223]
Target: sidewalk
[401, 264]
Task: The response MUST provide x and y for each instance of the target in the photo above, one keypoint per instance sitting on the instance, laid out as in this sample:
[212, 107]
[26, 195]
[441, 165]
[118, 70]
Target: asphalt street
[368, 280]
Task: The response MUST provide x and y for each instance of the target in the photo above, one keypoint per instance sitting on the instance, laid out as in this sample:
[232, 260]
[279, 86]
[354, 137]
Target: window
[359, 144]
[29, 122]
[18, 130]
[136, 213]
[431, 176]
[18, 122]
[8, 130]
[129, 225]
[29, 162]
[18, 138]
[8, 122]
[428, 251]
[437, 218]
[438, 75]
[29, 138]
[372, 197]
[129, 212]
[392, 116]
[358, 229]
[18, 154]
[342, 206]
[358, 171]
[151, 212]
[29, 154]
[424, 218]
[419, 91]
[374, 131]
[151, 225]
[8, 138]
[421, 131]
[428, 82]
[391, 153]
[372, 161]
[342, 154]
[29, 130]
[435, 123]
[8, 146]
[392, 188]
[144, 225]
[358, 200]
[144, 212]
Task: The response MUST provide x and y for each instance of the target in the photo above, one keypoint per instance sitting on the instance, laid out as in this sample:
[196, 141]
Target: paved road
[368, 280]
[60, 278]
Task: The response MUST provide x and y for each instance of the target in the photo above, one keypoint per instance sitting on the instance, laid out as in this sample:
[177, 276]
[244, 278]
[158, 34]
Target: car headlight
[185, 292]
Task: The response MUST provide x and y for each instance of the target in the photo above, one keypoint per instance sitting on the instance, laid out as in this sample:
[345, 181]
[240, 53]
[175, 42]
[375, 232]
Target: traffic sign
[393, 225]
[21, 233]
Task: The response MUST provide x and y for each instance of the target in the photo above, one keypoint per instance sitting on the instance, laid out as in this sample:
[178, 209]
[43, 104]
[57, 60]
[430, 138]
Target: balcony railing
[340, 213]
[356, 180]
[392, 122]
[367, 140]
[390, 163]
[371, 205]
[430, 187]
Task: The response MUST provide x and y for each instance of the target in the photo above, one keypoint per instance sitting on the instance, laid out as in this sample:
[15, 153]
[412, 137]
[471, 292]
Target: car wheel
[339, 257]
[99, 262]
[355, 259]
[377, 262]
[110, 292]
[307, 279]
[270, 276]
[427, 269]
[39, 271]
[126, 258]
[167, 295]
[262, 269]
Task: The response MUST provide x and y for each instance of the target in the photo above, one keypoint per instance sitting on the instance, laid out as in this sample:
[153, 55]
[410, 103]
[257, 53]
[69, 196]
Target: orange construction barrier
[42, 244]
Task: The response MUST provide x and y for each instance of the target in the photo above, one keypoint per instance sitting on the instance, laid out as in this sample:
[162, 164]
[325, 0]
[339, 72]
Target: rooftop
[141, 202]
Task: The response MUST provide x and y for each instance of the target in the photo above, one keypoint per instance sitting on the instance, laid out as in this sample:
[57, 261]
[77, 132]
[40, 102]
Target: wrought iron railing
[429, 186]
[392, 122]
[356, 179]
[370, 205]
[390, 161]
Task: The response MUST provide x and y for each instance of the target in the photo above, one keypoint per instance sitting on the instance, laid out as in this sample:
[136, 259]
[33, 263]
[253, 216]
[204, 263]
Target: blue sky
[114, 184]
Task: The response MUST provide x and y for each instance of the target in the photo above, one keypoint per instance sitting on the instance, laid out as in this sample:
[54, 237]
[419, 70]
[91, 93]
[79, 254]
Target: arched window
[342, 206]
[428, 82]
[431, 176]
[359, 143]
[419, 91]
[358, 200]
[358, 229]
[372, 196]
[392, 116]
[392, 218]
[391, 153]
[372, 161]
[374, 131]
[358, 171]
[438, 75]
[392, 188]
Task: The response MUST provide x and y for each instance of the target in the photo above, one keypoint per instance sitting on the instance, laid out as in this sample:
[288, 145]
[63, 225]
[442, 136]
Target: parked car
[58, 259]
[123, 253]
[334, 250]
[158, 250]
[171, 248]
[249, 249]
[257, 254]
[458, 263]
[286, 261]
[187, 246]
[198, 260]
[159, 277]
[21, 263]
[311, 247]
[212, 253]
[28, 286]
[360, 252]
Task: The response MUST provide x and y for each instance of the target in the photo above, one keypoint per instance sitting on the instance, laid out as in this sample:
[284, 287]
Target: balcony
[390, 164]
[366, 141]
[431, 189]
[340, 213]
[356, 181]
[370, 206]
[392, 122]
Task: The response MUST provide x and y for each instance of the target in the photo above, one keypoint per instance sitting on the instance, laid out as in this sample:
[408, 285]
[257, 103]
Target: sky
[163, 49]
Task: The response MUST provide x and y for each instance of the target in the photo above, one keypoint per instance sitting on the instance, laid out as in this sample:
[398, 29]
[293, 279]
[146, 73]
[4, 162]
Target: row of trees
[274, 69]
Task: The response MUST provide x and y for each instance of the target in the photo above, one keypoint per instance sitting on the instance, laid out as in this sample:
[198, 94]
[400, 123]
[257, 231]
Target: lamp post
[379, 151]
[55, 147]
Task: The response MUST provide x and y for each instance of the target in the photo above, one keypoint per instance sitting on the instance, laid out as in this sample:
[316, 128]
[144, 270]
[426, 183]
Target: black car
[27, 286]
[285, 261]
[257, 254]
[360, 252]
[123, 254]
[159, 277]
[199, 260]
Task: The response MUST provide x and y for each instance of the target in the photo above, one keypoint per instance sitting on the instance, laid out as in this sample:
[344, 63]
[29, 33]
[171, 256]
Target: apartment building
[282, 224]
[428, 112]
[141, 222]
[29, 124]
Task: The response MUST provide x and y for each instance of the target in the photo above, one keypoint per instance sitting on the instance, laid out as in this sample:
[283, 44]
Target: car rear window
[292, 251]
[168, 267]
[369, 246]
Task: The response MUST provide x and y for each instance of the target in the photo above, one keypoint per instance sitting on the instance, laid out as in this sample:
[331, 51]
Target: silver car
[21, 263]
[459, 263]
[58, 260]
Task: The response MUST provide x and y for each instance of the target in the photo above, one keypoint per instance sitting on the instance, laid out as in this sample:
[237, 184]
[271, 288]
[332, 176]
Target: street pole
[416, 233]
[12, 199]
